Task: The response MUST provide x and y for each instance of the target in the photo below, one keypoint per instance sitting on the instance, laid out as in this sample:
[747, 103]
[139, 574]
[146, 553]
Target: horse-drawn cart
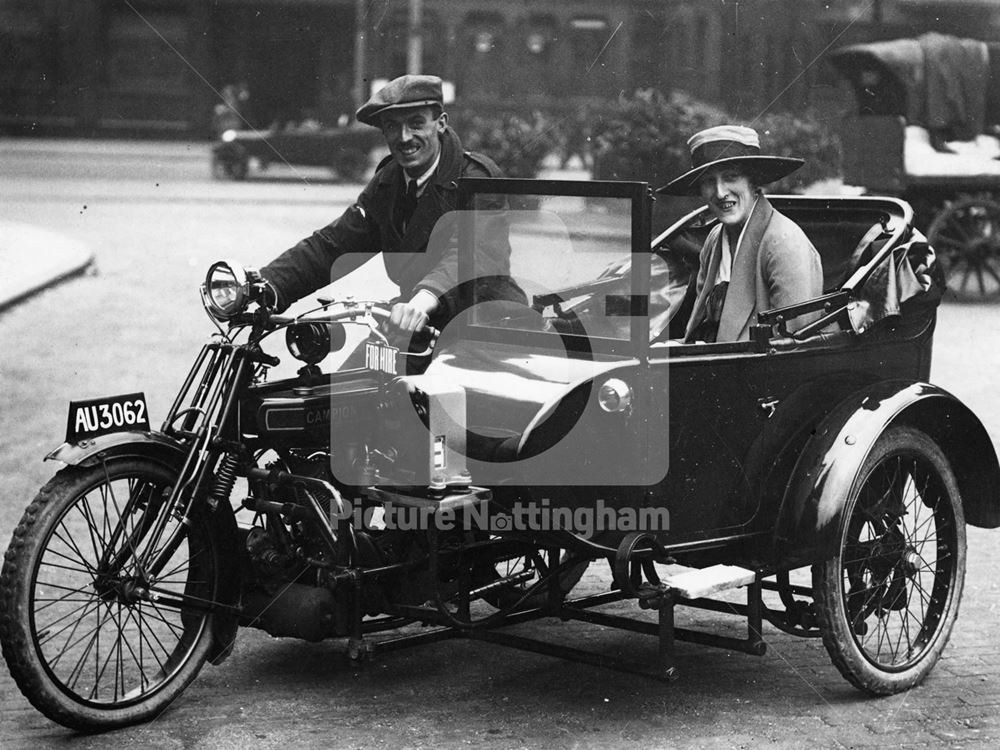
[926, 129]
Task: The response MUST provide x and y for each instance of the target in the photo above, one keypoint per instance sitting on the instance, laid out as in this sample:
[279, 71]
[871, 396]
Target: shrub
[644, 137]
[805, 137]
[517, 143]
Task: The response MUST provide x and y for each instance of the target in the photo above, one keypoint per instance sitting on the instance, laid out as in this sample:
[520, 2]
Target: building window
[483, 73]
[533, 62]
[591, 62]
[143, 60]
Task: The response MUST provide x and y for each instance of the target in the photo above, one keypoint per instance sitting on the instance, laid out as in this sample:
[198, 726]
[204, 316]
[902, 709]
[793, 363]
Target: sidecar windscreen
[539, 261]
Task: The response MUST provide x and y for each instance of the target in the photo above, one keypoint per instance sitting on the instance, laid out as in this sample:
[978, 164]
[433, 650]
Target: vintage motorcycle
[537, 439]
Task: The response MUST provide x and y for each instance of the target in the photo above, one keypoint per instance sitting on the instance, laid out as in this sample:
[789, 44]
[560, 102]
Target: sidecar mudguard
[158, 447]
[809, 519]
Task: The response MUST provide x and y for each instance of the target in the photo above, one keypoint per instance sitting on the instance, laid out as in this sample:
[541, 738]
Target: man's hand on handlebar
[413, 316]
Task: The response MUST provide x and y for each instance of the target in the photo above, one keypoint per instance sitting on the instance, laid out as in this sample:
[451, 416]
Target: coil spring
[225, 478]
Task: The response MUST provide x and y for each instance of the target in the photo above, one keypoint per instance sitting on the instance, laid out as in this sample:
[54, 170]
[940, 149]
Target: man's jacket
[411, 261]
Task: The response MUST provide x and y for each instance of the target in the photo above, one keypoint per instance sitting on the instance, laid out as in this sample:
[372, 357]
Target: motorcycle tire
[93, 641]
[887, 599]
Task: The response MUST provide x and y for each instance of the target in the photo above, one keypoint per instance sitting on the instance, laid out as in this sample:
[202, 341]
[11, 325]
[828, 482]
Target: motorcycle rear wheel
[527, 569]
[82, 636]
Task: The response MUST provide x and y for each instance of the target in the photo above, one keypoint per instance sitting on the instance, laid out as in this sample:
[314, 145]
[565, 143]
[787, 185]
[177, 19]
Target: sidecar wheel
[886, 602]
[82, 636]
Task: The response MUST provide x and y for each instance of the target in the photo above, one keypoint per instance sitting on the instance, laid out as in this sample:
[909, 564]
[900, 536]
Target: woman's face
[729, 193]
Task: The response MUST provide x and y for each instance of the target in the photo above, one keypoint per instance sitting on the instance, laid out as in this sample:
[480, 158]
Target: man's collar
[422, 179]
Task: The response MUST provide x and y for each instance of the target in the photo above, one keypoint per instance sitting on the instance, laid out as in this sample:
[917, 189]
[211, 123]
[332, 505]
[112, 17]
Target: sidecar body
[587, 396]
[597, 430]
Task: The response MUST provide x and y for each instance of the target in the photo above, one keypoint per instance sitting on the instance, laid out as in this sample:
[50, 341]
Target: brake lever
[433, 334]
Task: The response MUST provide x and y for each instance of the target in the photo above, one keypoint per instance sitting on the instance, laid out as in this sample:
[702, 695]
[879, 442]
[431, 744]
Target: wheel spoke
[74, 624]
[979, 277]
[57, 566]
[94, 641]
[906, 617]
[83, 508]
[136, 659]
[151, 632]
[157, 614]
[59, 587]
[85, 568]
[93, 645]
[183, 566]
[89, 609]
[71, 544]
[961, 234]
[988, 267]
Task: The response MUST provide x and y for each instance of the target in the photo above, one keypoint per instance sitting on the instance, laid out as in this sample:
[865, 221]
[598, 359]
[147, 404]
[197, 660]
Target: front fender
[809, 518]
[154, 445]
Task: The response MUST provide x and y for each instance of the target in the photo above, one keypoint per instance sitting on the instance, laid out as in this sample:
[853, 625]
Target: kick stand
[358, 648]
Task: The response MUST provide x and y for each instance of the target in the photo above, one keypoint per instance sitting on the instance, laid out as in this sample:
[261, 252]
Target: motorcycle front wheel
[98, 626]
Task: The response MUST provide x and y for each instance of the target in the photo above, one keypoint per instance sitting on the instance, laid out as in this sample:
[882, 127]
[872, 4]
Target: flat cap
[400, 93]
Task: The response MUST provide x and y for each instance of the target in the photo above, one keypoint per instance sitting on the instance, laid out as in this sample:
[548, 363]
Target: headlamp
[226, 290]
[614, 395]
[310, 342]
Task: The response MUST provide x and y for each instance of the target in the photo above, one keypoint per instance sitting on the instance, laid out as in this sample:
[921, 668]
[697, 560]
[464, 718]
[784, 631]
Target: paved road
[156, 222]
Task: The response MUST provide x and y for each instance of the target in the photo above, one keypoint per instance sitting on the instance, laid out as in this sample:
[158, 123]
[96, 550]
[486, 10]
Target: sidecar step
[695, 583]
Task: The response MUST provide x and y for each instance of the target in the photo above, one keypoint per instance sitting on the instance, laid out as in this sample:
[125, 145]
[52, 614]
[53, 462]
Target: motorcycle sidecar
[699, 467]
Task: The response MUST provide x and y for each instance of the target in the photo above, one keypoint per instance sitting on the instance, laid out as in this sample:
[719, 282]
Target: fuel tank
[302, 414]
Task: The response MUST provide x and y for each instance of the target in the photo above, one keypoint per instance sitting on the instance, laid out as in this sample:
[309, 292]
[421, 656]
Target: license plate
[380, 357]
[101, 416]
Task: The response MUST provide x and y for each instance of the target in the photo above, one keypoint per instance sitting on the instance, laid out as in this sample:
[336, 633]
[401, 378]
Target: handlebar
[373, 314]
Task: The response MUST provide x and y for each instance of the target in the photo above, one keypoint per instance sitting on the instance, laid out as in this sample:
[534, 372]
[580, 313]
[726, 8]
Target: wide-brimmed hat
[400, 93]
[729, 144]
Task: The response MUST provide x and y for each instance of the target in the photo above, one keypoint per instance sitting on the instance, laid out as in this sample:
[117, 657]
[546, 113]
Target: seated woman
[755, 259]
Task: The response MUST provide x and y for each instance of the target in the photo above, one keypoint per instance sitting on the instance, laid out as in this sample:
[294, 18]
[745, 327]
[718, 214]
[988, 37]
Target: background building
[156, 67]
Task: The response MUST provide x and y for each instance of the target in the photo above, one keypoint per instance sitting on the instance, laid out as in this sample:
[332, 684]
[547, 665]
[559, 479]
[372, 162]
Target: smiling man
[756, 258]
[395, 213]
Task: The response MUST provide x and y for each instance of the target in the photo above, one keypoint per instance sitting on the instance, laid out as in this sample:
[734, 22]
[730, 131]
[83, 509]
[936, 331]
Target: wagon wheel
[888, 597]
[966, 237]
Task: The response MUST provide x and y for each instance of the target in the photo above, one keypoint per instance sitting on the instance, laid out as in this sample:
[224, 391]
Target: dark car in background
[348, 150]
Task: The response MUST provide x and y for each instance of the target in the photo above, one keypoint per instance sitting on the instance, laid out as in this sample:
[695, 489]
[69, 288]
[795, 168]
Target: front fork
[203, 412]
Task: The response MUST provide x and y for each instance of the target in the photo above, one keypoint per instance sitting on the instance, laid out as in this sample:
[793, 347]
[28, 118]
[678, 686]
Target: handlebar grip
[429, 334]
